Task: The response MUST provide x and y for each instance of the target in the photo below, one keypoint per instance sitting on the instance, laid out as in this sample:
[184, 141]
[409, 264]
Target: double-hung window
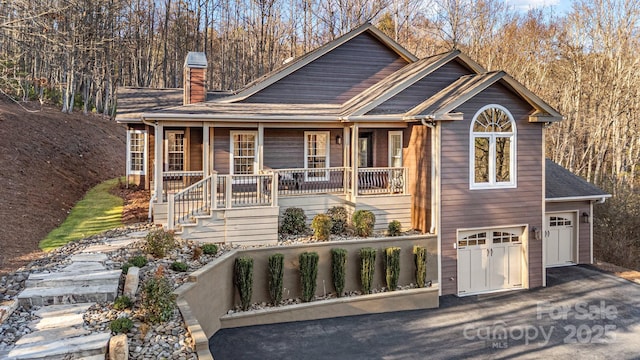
[492, 149]
[395, 149]
[136, 152]
[244, 147]
[174, 150]
[316, 150]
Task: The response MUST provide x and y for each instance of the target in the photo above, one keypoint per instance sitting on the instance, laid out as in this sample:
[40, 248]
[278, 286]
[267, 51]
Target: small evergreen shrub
[179, 266]
[138, 261]
[294, 221]
[420, 259]
[243, 280]
[159, 242]
[276, 274]
[122, 302]
[395, 228]
[158, 300]
[363, 222]
[392, 267]
[308, 274]
[125, 268]
[121, 325]
[367, 268]
[210, 249]
[321, 226]
[339, 217]
[338, 269]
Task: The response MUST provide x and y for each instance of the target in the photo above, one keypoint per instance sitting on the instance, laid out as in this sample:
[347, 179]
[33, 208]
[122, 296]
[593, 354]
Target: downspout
[434, 163]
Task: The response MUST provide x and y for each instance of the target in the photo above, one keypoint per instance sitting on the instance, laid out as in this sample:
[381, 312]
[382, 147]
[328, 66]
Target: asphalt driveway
[582, 314]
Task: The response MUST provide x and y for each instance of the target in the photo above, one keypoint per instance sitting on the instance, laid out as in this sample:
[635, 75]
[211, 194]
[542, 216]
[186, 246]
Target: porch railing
[175, 181]
[235, 191]
[382, 181]
[220, 192]
[185, 205]
[311, 181]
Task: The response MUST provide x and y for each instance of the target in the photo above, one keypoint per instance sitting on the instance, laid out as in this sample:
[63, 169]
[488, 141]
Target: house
[439, 144]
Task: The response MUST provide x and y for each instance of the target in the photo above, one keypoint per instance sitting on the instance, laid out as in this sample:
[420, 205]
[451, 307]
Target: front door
[560, 239]
[365, 150]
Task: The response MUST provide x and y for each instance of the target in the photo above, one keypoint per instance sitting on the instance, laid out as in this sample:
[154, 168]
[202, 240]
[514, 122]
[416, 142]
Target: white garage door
[560, 239]
[489, 260]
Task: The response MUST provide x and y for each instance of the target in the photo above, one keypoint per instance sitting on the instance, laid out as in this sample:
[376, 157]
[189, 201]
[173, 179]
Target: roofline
[128, 120]
[578, 198]
[535, 101]
[319, 52]
[238, 118]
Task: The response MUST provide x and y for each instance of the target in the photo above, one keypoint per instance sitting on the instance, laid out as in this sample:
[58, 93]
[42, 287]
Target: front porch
[208, 178]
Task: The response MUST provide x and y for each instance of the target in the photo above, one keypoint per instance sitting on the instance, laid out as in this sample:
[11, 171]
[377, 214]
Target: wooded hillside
[585, 62]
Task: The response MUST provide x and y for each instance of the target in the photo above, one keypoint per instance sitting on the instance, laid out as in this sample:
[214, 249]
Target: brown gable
[336, 76]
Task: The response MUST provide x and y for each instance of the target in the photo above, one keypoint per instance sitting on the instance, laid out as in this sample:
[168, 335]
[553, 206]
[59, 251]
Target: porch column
[260, 146]
[205, 150]
[157, 176]
[346, 135]
[354, 161]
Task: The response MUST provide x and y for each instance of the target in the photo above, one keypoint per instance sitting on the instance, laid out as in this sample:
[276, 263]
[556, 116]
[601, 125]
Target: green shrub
[321, 226]
[420, 258]
[308, 274]
[339, 217]
[121, 325]
[210, 249]
[243, 280]
[159, 242]
[158, 300]
[363, 222]
[338, 269]
[138, 261]
[179, 266]
[276, 274]
[122, 302]
[125, 268]
[367, 268]
[395, 228]
[392, 267]
[294, 221]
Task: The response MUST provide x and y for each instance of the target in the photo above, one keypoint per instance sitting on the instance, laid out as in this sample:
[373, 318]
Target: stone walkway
[59, 300]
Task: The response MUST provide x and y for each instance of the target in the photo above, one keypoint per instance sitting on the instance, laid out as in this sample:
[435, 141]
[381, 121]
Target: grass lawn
[96, 212]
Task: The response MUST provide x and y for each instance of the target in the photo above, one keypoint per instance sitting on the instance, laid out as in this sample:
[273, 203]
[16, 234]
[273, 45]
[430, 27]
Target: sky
[562, 6]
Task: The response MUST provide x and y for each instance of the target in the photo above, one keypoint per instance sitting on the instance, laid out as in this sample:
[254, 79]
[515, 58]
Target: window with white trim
[395, 149]
[244, 147]
[316, 150]
[136, 152]
[492, 148]
[174, 150]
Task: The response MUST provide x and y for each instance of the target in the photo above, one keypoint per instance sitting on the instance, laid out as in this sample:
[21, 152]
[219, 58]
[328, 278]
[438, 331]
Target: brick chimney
[195, 72]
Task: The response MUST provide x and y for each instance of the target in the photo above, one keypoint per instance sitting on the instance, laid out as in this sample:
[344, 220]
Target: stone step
[51, 335]
[43, 296]
[59, 310]
[66, 278]
[75, 347]
[82, 267]
[89, 257]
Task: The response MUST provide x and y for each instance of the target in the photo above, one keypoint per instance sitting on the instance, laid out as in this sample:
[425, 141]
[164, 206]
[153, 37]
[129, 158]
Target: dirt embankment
[48, 161]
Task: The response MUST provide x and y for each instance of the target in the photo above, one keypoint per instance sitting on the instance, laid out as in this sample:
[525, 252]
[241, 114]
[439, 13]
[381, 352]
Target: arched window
[493, 148]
